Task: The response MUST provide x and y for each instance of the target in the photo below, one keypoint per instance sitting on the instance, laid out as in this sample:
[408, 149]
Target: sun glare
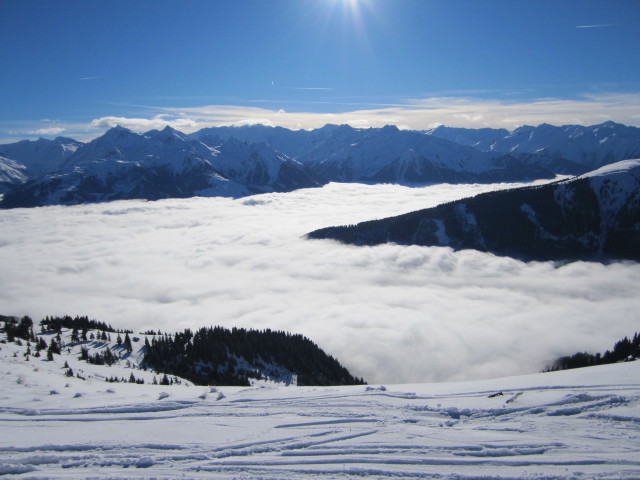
[352, 5]
[353, 14]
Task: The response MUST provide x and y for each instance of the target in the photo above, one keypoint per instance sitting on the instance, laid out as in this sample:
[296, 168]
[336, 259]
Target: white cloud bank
[415, 114]
[157, 122]
[389, 313]
[48, 131]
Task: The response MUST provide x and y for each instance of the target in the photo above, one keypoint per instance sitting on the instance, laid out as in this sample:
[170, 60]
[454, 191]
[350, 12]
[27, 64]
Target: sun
[353, 4]
[352, 17]
[349, 8]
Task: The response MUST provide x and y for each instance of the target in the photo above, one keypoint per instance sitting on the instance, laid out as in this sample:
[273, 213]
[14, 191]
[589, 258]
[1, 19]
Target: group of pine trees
[219, 356]
[15, 328]
[624, 349]
[22, 329]
[78, 323]
[210, 356]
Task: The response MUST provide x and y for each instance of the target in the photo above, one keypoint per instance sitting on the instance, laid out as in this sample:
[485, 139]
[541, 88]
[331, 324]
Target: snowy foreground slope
[582, 423]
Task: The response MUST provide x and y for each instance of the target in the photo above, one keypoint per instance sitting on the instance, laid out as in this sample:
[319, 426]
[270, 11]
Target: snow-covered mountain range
[122, 164]
[588, 146]
[239, 161]
[595, 215]
[26, 160]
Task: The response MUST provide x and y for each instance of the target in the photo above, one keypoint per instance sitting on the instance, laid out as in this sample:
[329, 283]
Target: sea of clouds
[389, 313]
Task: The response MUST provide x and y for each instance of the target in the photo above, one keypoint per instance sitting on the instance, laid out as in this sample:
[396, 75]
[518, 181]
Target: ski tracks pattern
[329, 433]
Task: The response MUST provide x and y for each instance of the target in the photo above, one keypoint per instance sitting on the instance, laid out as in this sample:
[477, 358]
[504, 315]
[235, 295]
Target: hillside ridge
[593, 216]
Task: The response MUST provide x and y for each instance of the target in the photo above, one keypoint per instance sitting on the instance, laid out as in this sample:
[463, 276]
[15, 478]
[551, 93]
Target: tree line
[219, 356]
[625, 349]
[208, 356]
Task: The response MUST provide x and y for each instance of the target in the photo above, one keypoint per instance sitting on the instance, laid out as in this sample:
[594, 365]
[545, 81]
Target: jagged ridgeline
[208, 356]
[239, 161]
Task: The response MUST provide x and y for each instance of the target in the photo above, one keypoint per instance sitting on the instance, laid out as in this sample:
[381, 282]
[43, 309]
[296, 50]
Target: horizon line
[7, 141]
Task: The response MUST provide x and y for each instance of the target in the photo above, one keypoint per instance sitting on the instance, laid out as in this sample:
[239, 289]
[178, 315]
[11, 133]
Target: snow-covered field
[582, 424]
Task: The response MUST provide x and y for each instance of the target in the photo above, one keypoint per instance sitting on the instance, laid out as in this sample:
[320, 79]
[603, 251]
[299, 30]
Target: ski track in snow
[583, 423]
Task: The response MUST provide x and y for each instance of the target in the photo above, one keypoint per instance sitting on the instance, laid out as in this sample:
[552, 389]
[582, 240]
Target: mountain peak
[168, 133]
[330, 127]
[118, 132]
[118, 128]
[65, 140]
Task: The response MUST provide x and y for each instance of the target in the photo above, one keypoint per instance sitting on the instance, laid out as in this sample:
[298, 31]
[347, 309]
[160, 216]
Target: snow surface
[591, 146]
[389, 148]
[11, 172]
[619, 168]
[616, 185]
[582, 423]
[40, 156]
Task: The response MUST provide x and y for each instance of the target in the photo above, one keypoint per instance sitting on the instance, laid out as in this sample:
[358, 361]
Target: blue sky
[77, 67]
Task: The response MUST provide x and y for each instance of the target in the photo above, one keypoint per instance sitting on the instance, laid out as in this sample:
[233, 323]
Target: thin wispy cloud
[424, 113]
[602, 25]
[89, 78]
[309, 88]
[48, 131]
[157, 122]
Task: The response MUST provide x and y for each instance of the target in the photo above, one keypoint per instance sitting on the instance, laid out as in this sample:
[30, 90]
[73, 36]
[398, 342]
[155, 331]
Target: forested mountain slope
[596, 216]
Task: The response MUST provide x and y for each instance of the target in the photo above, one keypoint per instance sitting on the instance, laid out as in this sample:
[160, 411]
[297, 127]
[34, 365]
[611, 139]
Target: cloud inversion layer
[389, 313]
